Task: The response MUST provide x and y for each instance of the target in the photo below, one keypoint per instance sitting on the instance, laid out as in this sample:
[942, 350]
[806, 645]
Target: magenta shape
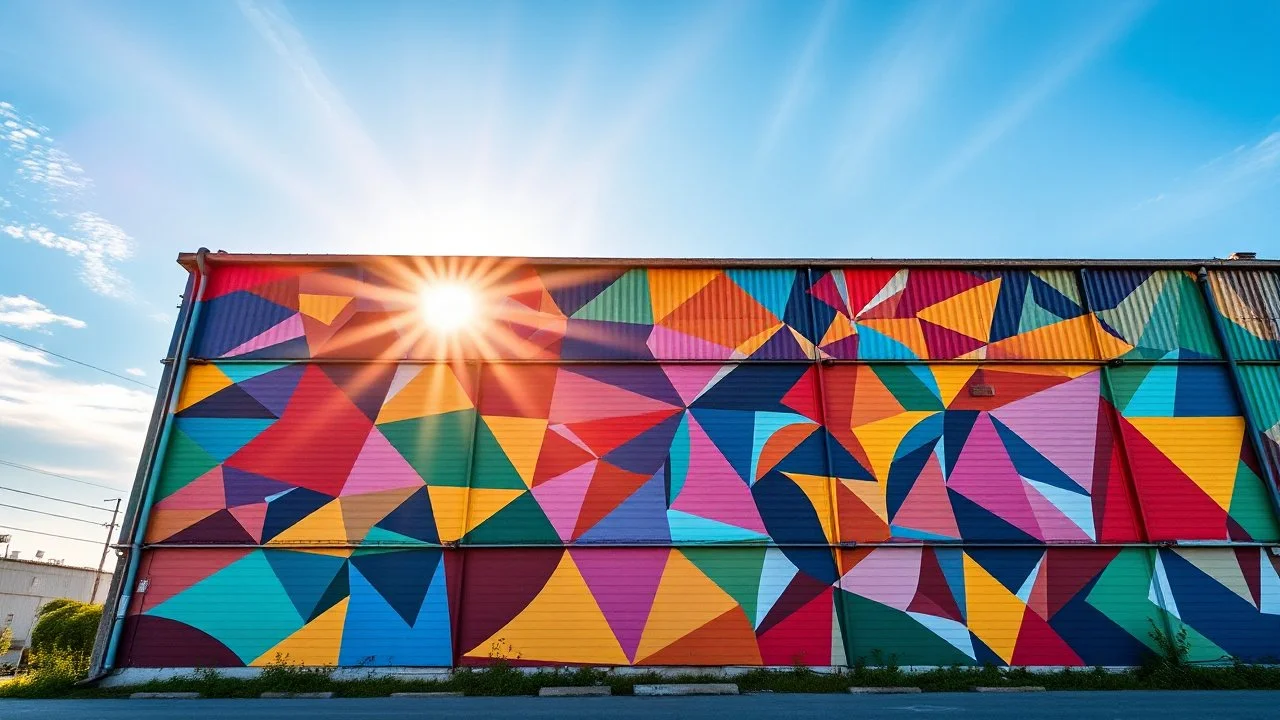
[1061, 423]
[624, 582]
[985, 474]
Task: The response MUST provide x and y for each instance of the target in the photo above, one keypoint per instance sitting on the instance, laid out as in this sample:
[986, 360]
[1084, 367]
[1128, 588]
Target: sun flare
[447, 306]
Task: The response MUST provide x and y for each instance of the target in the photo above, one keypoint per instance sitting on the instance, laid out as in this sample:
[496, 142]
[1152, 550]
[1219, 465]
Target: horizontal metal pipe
[694, 361]
[844, 545]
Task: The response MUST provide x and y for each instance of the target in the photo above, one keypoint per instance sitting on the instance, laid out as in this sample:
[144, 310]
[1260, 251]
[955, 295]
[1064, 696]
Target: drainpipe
[1237, 385]
[172, 395]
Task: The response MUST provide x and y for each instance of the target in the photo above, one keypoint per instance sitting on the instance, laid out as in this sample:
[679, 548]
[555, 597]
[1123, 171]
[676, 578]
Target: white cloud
[97, 415]
[56, 212]
[30, 314]
[136, 372]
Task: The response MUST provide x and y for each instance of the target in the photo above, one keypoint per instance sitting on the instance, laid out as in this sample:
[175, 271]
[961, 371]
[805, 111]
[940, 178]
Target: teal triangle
[377, 535]
[626, 300]
[766, 425]
[691, 528]
[770, 288]
[1034, 317]
[304, 576]
[239, 372]
[679, 458]
[873, 345]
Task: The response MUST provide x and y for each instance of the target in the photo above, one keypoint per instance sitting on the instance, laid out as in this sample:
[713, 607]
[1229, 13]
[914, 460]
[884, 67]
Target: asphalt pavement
[1192, 705]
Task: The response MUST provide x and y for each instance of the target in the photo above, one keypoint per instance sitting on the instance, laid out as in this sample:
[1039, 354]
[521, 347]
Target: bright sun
[447, 306]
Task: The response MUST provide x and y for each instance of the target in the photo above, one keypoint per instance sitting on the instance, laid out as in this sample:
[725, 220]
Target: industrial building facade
[673, 463]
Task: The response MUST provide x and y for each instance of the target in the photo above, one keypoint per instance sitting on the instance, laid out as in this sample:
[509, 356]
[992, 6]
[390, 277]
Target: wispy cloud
[50, 205]
[136, 372]
[107, 417]
[27, 313]
[799, 82]
[1101, 36]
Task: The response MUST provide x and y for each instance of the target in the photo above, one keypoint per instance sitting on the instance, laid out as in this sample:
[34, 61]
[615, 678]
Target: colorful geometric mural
[680, 466]
[1250, 304]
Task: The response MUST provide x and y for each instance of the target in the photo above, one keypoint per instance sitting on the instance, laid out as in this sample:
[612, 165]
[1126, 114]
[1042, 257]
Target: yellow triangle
[1109, 345]
[669, 288]
[758, 340]
[1224, 568]
[806, 346]
[202, 381]
[433, 391]
[951, 380]
[520, 440]
[562, 624]
[839, 329]
[881, 438]
[817, 488]
[994, 613]
[322, 307]
[323, 525]
[485, 503]
[871, 494]
[316, 643]
[363, 511]
[1207, 449]
[447, 507]
[968, 313]
[686, 600]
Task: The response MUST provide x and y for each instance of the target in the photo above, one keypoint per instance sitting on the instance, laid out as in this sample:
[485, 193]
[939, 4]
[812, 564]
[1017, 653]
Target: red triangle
[315, 442]
[727, 640]
[945, 343]
[580, 399]
[1113, 514]
[558, 456]
[864, 285]
[1038, 644]
[517, 390]
[927, 506]
[1174, 507]
[801, 638]
[609, 487]
[225, 279]
[826, 291]
[927, 287]
[607, 434]
[933, 594]
[802, 397]
[1069, 570]
[858, 523]
[1251, 568]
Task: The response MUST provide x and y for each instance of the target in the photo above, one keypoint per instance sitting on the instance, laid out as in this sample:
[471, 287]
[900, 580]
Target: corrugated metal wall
[676, 466]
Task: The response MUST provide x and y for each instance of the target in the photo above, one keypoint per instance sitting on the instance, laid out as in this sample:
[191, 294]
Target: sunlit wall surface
[432, 463]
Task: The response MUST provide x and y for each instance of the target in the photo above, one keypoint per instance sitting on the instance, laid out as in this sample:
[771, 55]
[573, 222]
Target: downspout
[1237, 385]
[173, 393]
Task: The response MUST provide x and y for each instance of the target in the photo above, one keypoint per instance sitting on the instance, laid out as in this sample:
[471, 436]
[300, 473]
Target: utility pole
[106, 547]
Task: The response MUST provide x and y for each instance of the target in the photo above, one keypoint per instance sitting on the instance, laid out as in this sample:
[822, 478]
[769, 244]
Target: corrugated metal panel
[1212, 591]
[1261, 385]
[1157, 314]
[1250, 301]
[1184, 436]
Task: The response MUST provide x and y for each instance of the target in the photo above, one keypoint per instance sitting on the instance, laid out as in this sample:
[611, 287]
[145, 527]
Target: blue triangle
[640, 518]
[691, 528]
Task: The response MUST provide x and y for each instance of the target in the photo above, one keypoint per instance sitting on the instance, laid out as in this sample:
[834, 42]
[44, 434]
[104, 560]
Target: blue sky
[135, 130]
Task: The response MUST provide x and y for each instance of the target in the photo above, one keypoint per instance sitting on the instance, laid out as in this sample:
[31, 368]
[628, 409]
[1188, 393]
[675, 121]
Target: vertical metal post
[106, 547]
[466, 511]
[1237, 386]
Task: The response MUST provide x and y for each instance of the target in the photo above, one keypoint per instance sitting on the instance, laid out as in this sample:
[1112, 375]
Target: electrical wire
[28, 468]
[42, 512]
[46, 497]
[135, 381]
[49, 534]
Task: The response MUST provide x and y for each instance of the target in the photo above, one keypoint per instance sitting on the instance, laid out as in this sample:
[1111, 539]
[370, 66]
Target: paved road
[1041, 706]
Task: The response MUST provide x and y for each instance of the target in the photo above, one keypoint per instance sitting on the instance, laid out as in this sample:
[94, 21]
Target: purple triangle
[274, 389]
[782, 345]
[624, 582]
[640, 518]
[246, 488]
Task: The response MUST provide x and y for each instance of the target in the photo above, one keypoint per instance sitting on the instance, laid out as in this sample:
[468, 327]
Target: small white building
[26, 585]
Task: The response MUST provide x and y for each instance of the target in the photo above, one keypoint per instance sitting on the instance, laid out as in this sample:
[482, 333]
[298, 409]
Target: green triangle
[1251, 507]
[1122, 384]
[894, 634]
[436, 445]
[1160, 325]
[1034, 317]
[736, 571]
[378, 535]
[493, 470]
[626, 300]
[1260, 384]
[1121, 593]
[183, 462]
[1063, 281]
[520, 522]
[1194, 332]
[907, 387]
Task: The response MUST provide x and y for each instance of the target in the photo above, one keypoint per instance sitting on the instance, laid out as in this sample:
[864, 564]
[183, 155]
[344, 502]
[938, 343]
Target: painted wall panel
[1261, 385]
[983, 453]
[1249, 301]
[924, 313]
[1151, 314]
[1195, 475]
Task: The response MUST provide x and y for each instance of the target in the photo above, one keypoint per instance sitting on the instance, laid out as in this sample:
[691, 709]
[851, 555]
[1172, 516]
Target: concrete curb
[883, 690]
[689, 689]
[1009, 689]
[577, 691]
[426, 694]
[301, 695]
[164, 696]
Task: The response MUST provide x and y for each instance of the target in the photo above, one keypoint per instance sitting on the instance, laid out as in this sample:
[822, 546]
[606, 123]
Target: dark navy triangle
[733, 434]
[400, 577]
[230, 402]
[273, 389]
[978, 524]
[903, 474]
[245, 488]
[287, 509]
[413, 518]
[645, 453]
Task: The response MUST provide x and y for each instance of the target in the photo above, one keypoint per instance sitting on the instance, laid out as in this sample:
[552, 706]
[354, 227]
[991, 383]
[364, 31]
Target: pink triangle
[690, 380]
[561, 498]
[379, 467]
[624, 583]
[712, 488]
[251, 518]
[203, 493]
[985, 474]
[888, 576]
[1054, 525]
[579, 399]
[927, 506]
[668, 344]
[288, 329]
[1070, 439]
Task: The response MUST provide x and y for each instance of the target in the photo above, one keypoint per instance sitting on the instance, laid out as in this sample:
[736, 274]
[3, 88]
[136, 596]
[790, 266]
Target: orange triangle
[669, 288]
[722, 313]
[521, 441]
[202, 381]
[686, 600]
[872, 401]
[780, 444]
[905, 330]
[968, 313]
[322, 307]
[164, 523]
[818, 489]
[839, 329]
[726, 640]
[433, 391]
[1067, 340]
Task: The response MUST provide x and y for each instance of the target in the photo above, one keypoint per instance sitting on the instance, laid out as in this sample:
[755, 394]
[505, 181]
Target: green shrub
[6, 640]
[66, 626]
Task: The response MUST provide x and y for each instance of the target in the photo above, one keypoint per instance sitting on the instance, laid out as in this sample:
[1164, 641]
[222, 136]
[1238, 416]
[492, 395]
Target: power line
[37, 532]
[28, 468]
[46, 497]
[41, 512]
[80, 363]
